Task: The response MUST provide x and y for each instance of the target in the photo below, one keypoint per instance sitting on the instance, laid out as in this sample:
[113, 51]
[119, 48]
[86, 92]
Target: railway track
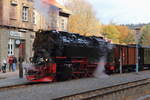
[17, 86]
[95, 94]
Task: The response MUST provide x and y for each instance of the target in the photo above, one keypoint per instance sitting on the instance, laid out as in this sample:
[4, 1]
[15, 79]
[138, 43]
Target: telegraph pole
[137, 37]
[21, 59]
[120, 67]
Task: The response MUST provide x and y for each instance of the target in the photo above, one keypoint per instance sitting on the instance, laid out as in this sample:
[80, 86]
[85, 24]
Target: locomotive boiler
[61, 55]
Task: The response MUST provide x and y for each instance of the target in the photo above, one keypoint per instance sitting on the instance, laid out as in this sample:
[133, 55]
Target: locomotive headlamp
[46, 59]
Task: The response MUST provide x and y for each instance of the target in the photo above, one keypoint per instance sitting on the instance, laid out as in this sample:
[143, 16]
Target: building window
[63, 24]
[53, 25]
[34, 18]
[25, 13]
[11, 47]
[13, 12]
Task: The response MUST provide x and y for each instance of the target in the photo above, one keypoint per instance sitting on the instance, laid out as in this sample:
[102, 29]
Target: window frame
[25, 13]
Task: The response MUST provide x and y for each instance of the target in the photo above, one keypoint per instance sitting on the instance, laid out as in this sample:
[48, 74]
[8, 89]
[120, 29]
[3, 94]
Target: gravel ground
[50, 91]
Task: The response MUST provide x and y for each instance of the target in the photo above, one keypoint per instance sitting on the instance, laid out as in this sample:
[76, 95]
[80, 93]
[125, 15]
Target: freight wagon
[123, 58]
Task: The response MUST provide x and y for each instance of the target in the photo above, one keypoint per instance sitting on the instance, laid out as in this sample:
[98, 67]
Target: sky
[122, 11]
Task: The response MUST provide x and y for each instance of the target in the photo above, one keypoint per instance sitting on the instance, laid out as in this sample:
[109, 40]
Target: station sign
[15, 34]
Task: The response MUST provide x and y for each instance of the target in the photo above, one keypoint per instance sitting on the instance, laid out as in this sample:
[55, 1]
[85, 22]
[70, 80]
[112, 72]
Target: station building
[18, 23]
[16, 28]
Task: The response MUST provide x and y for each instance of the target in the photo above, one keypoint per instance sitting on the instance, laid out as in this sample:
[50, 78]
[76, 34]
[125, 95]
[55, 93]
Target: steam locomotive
[61, 56]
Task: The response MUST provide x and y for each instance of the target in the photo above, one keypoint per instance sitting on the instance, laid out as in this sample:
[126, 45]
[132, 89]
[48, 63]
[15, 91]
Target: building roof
[55, 3]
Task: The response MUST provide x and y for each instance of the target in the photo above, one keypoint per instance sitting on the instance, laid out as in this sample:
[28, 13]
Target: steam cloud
[100, 71]
[42, 8]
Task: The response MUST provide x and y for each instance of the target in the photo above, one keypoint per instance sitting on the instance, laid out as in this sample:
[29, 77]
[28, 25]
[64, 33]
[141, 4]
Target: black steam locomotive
[61, 55]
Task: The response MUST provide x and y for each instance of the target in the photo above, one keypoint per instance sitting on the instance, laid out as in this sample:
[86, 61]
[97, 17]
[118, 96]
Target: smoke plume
[42, 7]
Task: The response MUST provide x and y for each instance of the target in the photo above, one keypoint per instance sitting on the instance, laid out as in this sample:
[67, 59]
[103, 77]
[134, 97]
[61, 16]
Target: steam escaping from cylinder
[28, 66]
[100, 71]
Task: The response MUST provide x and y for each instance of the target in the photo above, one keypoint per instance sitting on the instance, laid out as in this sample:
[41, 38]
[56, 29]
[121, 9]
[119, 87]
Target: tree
[129, 38]
[126, 35]
[118, 34]
[145, 35]
[83, 18]
[111, 32]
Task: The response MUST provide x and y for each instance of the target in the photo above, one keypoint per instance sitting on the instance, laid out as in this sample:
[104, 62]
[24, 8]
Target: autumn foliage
[83, 20]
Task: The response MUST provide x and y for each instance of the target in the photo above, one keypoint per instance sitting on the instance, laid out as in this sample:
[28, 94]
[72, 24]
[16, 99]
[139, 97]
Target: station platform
[11, 79]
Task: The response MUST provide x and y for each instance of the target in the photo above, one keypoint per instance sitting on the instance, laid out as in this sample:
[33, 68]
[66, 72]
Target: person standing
[21, 60]
[10, 61]
[4, 64]
[14, 63]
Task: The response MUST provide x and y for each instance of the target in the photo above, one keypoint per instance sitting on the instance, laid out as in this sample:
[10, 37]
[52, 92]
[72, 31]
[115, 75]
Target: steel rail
[88, 95]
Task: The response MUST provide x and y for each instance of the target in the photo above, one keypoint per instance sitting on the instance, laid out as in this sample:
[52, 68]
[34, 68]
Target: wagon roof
[132, 45]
